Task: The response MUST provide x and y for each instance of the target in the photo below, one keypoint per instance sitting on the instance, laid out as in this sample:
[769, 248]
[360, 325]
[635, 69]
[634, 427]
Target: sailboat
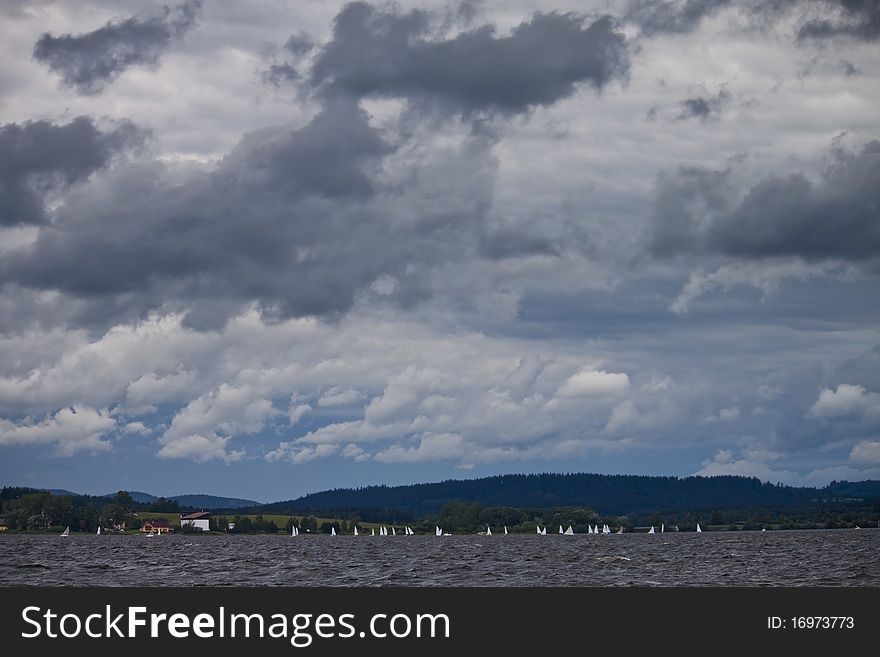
[438, 531]
[543, 531]
[393, 532]
[505, 530]
[355, 531]
[651, 531]
[372, 531]
[294, 531]
[98, 532]
[488, 530]
[589, 529]
[561, 531]
[333, 531]
[409, 532]
[538, 529]
[662, 528]
[569, 531]
[699, 531]
[66, 531]
[606, 529]
[620, 531]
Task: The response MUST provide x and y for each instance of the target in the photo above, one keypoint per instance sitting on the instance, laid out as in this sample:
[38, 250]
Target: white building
[200, 520]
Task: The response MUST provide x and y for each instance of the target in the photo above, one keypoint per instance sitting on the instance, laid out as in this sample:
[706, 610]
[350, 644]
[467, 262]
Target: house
[157, 526]
[200, 520]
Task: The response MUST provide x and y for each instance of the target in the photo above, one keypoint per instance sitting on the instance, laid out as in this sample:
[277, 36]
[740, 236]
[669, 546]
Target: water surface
[779, 558]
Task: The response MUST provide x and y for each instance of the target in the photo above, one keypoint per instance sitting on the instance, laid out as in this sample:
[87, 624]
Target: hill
[606, 494]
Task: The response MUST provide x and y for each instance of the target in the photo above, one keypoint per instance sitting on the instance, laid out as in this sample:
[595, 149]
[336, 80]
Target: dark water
[780, 558]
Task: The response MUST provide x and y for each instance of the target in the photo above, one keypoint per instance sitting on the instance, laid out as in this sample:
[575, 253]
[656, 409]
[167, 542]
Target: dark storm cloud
[39, 157]
[703, 108]
[671, 17]
[859, 19]
[293, 220]
[89, 62]
[387, 53]
[835, 217]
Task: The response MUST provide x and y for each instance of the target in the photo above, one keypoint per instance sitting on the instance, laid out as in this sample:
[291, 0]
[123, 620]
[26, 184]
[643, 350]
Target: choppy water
[779, 558]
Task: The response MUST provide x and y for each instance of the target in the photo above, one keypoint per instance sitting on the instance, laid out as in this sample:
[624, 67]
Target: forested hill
[606, 494]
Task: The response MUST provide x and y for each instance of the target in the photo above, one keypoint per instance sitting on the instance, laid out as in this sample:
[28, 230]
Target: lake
[847, 557]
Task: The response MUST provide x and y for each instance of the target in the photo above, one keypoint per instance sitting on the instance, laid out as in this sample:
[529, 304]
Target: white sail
[543, 531]
[620, 531]
[294, 531]
[355, 531]
[569, 531]
[651, 531]
[333, 531]
[561, 530]
[99, 531]
[438, 531]
[699, 531]
[505, 530]
[393, 532]
[538, 528]
[372, 531]
[488, 530]
[662, 528]
[66, 532]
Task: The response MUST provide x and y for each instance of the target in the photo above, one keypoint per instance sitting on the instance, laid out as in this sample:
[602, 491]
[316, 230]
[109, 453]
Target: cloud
[340, 396]
[91, 61]
[704, 108]
[858, 19]
[38, 158]
[588, 383]
[764, 276]
[199, 448]
[432, 448]
[786, 215]
[846, 400]
[866, 452]
[70, 430]
[387, 53]
[201, 430]
[671, 17]
[748, 462]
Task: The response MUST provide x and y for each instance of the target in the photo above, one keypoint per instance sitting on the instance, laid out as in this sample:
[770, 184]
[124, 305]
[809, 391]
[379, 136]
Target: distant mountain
[137, 496]
[57, 491]
[212, 502]
[606, 494]
[196, 501]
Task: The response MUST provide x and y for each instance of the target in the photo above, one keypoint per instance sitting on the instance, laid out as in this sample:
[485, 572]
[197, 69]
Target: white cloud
[866, 452]
[297, 411]
[846, 400]
[199, 448]
[136, 427]
[201, 430]
[433, 448]
[70, 430]
[298, 454]
[588, 383]
[340, 396]
[749, 462]
[765, 277]
[624, 416]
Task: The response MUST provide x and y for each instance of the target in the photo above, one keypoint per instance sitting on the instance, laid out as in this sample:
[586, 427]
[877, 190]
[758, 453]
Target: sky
[265, 248]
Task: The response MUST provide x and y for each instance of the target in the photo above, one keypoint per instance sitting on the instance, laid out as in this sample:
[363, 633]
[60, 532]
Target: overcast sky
[266, 248]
